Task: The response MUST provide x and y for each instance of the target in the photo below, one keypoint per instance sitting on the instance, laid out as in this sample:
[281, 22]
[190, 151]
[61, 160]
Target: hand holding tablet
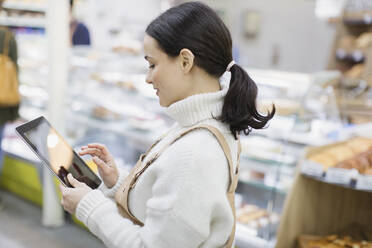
[56, 154]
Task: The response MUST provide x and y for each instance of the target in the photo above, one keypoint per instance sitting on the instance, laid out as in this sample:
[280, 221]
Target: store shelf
[365, 21]
[34, 7]
[243, 238]
[296, 138]
[261, 185]
[23, 22]
[271, 159]
[338, 176]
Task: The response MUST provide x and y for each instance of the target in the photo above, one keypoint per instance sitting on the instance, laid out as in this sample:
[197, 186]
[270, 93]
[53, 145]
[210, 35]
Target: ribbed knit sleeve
[110, 192]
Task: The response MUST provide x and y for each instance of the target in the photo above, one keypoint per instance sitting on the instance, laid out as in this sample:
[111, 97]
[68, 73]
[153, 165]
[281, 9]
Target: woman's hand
[104, 160]
[72, 196]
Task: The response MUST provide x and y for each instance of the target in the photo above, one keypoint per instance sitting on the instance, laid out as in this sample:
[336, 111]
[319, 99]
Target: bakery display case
[348, 163]
[330, 198]
[352, 55]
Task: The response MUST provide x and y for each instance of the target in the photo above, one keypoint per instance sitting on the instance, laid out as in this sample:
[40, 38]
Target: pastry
[368, 172]
[359, 145]
[103, 113]
[334, 241]
[359, 162]
[363, 41]
[324, 159]
[341, 153]
[349, 164]
[355, 72]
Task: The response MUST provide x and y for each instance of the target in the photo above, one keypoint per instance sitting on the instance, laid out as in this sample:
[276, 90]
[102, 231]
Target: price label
[312, 169]
[340, 176]
[358, 56]
[367, 19]
[341, 53]
[364, 182]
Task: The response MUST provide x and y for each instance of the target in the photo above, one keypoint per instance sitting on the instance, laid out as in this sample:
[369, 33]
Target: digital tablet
[56, 154]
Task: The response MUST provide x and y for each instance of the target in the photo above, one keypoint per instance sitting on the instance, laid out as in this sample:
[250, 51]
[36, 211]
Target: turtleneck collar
[197, 108]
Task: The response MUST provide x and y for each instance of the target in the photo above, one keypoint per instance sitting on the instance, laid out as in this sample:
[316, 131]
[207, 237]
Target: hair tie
[230, 65]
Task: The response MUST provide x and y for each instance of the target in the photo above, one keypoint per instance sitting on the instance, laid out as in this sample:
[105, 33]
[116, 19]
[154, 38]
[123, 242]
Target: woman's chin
[164, 104]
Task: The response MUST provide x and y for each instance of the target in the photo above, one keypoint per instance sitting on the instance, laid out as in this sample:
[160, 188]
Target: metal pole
[57, 31]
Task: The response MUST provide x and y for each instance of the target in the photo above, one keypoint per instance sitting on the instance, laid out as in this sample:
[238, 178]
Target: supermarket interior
[305, 180]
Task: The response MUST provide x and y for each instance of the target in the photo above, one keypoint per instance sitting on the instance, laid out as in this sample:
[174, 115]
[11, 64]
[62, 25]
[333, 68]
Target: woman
[180, 194]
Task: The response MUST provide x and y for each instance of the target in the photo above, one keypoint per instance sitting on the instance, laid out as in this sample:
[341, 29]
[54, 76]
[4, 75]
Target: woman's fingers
[102, 165]
[74, 182]
[101, 147]
[92, 152]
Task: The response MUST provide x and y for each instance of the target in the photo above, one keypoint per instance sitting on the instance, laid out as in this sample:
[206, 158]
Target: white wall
[304, 41]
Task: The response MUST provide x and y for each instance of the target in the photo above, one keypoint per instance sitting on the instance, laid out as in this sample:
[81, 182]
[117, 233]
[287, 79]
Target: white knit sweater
[181, 197]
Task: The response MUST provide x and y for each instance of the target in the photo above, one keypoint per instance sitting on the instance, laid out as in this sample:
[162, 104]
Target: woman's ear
[187, 60]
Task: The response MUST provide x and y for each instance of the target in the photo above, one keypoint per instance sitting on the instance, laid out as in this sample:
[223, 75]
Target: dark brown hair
[196, 26]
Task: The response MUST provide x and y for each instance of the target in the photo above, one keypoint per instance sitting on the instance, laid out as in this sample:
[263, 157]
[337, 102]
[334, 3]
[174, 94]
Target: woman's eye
[151, 66]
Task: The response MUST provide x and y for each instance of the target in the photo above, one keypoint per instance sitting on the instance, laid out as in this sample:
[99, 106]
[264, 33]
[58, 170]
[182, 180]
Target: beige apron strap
[231, 197]
[155, 143]
[122, 194]
[6, 43]
[221, 140]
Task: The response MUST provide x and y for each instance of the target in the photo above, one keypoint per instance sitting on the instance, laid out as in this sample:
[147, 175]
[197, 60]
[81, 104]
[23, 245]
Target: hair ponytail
[239, 108]
[196, 26]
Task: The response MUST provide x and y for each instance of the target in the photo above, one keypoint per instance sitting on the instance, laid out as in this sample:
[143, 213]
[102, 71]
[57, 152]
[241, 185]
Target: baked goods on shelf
[361, 162]
[283, 106]
[255, 217]
[360, 144]
[363, 41]
[353, 48]
[332, 241]
[355, 72]
[353, 154]
[103, 113]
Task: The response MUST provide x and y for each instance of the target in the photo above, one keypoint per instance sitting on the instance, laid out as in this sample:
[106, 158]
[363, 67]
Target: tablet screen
[56, 153]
